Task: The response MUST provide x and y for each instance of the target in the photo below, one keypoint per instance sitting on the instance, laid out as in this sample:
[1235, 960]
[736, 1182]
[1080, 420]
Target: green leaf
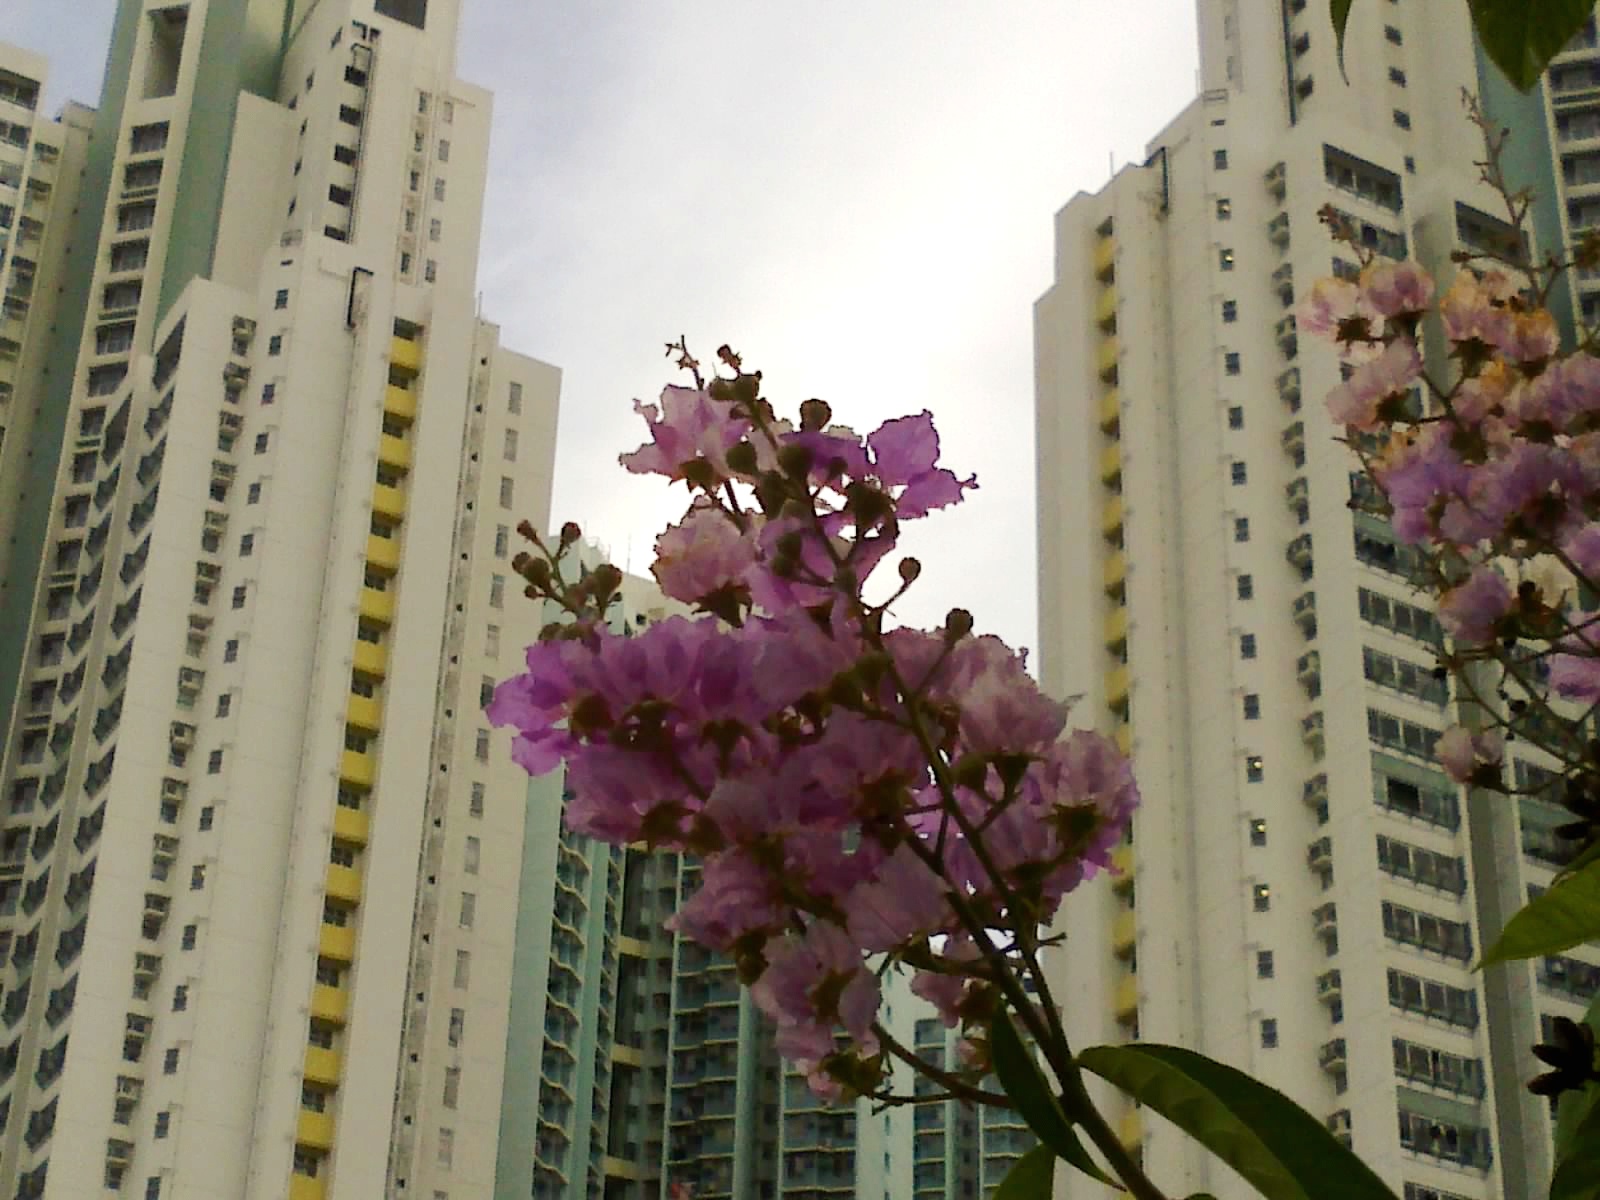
[1522, 36]
[1032, 1177]
[1279, 1148]
[1019, 1074]
[1564, 916]
[1577, 1173]
[1339, 11]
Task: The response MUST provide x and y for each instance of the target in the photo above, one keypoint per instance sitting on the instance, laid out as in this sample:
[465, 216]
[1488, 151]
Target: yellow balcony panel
[344, 883]
[337, 942]
[377, 606]
[1116, 628]
[322, 1066]
[358, 768]
[1106, 359]
[1111, 464]
[1125, 738]
[314, 1129]
[1122, 861]
[1105, 308]
[621, 1168]
[303, 1187]
[1124, 934]
[1110, 411]
[388, 501]
[637, 947]
[405, 354]
[400, 402]
[1115, 572]
[1117, 687]
[1130, 1130]
[1105, 257]
[394, 452]
[1111, 519]
[351, 825]
[329, 1003]
[1126, 1004]
[383, 553]
[370, 659]
[364, 713]
[629, 1055]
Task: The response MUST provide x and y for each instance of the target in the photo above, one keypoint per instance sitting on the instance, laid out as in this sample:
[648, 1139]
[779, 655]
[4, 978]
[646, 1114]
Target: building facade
[262, 852]
[1305, 892]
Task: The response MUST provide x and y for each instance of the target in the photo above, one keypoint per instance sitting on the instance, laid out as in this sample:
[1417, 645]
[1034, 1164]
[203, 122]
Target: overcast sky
[857, 196]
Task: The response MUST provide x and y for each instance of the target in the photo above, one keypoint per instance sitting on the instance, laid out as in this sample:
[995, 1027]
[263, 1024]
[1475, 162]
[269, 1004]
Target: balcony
[1298, 551]
[1126, 1002]
[400, 403]
[329, 1003]
[1115, 573]
[1278, 230]
[1110, 412]
[1124, 934]
[364, 713]
[1308, 670]
[1105, 309]
[356, 768]
[394, 452]
[1283, 282]
[314, 1129]
[1297, 494]
[1277, 180]
[1331, 1057]
[1106, 359]
[1287, 333]
[1116, 629]
[1111, 519]
[1311, 733]
[388, 502]
[1117, 689]
[376, 606]
[344, 883]
[1329, 987]
[1305, 613]
[370, 659]
[1122, 861]
[1315, 792]
[336, 942]
[405, 355]
[1111, 464]
[383, 553]
[1325, 920]
[351, 825]
[322, 1065]
[1294, 439]
[1105, 258]
[1319, 855]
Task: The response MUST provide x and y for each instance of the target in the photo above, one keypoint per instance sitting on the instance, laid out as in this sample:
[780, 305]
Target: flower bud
[957, 625]
[795, 460]
[815, 415]
[526, 529]
[570, 533]
[910, 568]
[742, 458]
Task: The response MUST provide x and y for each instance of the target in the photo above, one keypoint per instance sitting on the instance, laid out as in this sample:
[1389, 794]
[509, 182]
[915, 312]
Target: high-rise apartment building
[1305, 891]
[261, 853]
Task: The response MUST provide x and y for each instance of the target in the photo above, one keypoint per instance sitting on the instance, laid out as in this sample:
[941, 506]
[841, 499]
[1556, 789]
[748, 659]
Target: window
[469, 909]
[1402, 118]
[1238, 473]
[1224, 208]
[1263, 964]
[281, 300]
[458, 1026]
[1230, 311]
[163, 1123]
[447, 1146]
[1269, 1034]
[497, 591]
[1245, 587]
[1241, 529]
[1219, 160]
[247, 545]
[1252, 707]
[269, 393]
[405, 262]
[471, 853]
[435, 229]
[511, 445]
[224, 703]
[1397, 77]
[506, 492]
[275, 344]
[1235, 417]
[447, 111]
[345, 155]
[262, 442]
[438, 189]
[169, 1061]
[253, 495]
[491, 640]
[214, 763]
[208, 815]
[340, 195]
[190, 933]
[180, 997]
[1254, 768]
[1261, 897]
[1392, 35]
[197, 877]
[416, 181]
[444, 150]
[475, 801]
[430, 271]
[514, 398]
[1258, 831]
[230, 650]
[1225, 259]
[1231, 362]
[463, 968]
[502, 541]
[238, 596]
[452, 1086]
[483, 745]
[1247, 645]
[152, 1187]
[349, 115]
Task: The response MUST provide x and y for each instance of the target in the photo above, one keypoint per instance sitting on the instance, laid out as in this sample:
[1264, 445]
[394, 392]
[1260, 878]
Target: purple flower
[905, 454]
[1396, 289]
[1463, 754]
[1356, 401]
[903, 901]
[704, 553]
[688, 425]
[1472, 611]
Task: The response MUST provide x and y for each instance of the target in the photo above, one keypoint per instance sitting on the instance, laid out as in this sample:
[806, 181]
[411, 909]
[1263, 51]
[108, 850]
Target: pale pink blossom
[1463, 753]
[1396, 289]
[703, 554]
[1357, 401]
[1472, 611]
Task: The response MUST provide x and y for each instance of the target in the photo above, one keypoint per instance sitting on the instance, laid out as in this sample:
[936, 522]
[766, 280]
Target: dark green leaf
[1278, 1147]
[1591, 855]
[1032, 1177]
[1564, 916]
[1577, 1173]
[1522, 36]
[1339, 10]
[1019, 1074]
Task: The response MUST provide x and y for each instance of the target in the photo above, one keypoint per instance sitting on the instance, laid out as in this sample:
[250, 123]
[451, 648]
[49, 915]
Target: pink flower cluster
[847, 788]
